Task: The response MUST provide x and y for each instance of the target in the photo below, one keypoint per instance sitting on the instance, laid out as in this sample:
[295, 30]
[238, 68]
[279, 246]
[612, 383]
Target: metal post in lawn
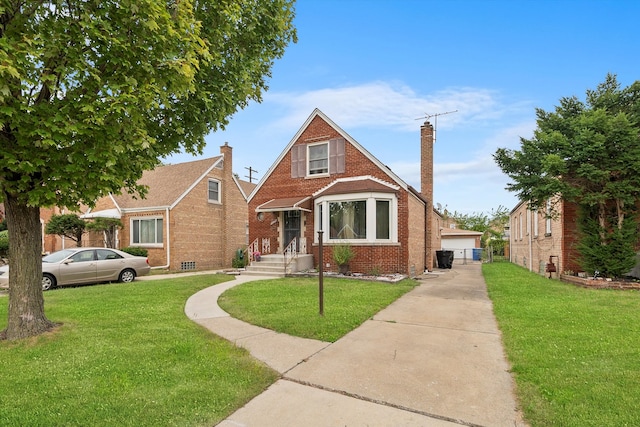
[321, 273]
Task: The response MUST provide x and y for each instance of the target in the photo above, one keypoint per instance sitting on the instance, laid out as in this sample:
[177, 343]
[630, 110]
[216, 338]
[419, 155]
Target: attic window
[319, 158]
[214, 191]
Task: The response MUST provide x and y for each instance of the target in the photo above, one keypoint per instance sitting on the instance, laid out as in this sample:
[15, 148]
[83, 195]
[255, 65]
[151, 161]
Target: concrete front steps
[274, 265]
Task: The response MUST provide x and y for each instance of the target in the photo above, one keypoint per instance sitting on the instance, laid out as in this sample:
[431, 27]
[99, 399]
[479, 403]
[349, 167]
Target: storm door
[291, 228]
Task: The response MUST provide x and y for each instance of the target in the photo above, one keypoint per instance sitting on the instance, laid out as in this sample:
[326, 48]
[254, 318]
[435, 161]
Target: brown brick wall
[533, 251]
[416, 238]
[381, 257]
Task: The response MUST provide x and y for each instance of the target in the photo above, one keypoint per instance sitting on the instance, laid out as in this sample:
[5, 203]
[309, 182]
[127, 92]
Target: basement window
[188, 265]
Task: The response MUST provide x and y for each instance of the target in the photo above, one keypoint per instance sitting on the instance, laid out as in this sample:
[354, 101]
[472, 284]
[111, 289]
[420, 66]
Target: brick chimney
[227, 182]
[426, 188]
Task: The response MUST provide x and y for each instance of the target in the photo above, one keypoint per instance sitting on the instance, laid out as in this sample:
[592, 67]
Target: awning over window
[287, 204]
[107, 213]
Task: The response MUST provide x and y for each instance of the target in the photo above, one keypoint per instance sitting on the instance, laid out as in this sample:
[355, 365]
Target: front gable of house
[325, 181]
[320, 153]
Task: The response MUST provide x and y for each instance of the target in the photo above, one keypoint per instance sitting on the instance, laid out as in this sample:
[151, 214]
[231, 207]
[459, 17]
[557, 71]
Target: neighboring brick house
[325, 180]
[535, 236]
[194, 215]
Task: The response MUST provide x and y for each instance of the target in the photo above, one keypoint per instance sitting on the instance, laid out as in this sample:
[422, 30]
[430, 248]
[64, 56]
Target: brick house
[194, 215]
[326, 181]
[535, 237]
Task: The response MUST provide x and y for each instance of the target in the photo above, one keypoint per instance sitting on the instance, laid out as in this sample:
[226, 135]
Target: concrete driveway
[432, 358]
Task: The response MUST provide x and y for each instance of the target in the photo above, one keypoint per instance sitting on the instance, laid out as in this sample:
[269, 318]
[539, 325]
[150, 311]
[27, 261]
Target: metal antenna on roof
[250, 176]
[427, 116]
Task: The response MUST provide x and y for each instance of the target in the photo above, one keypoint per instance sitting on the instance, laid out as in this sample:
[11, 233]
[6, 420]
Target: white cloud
[382, 104]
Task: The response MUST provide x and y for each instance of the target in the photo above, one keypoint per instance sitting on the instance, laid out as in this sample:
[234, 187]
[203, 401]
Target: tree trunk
[26, 302]
[602, 220]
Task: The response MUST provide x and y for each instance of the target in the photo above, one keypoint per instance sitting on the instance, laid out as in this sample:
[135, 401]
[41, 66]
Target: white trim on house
[322, 216]
[156, 244]
[217, 201]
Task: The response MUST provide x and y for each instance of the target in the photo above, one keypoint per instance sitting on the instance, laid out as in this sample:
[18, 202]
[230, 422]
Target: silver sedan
[87, 265]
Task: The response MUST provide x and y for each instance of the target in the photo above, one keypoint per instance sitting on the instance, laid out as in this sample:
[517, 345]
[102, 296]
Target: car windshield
[58, 256]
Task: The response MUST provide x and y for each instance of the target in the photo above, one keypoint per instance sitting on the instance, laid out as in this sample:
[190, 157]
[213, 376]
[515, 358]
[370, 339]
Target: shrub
[4, 242]
[343, 253]
[135, 251]
[239, 260]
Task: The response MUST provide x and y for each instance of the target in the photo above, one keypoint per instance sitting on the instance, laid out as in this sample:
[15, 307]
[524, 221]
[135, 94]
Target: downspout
[510, 240]
[168, 240]
[530, 240]
[427, 246]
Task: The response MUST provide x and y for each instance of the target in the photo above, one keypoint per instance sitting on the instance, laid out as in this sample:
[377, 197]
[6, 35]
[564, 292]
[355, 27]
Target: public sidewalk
[432, 358]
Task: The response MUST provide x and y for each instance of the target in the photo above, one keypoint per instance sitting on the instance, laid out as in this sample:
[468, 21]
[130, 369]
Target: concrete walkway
[432, 358]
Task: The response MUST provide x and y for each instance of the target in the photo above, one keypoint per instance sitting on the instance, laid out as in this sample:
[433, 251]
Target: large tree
[588, 153]
[94, 92]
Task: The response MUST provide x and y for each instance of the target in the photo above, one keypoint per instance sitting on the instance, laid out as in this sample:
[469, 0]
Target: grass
[575, 352]
[126, 355]
[291, 305]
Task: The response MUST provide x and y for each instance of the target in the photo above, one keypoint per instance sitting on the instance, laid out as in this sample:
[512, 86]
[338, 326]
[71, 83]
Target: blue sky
[376, 66]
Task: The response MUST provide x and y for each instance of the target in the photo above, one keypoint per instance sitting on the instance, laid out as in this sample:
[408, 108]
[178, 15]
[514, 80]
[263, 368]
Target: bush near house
[135, 251]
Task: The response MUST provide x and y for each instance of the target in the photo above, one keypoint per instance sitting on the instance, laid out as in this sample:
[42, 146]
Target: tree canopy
[67, 225]
[588, 153]
[94, 92]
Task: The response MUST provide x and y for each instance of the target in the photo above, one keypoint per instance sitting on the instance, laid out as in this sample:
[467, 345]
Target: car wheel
[127, 276]
[48, 282]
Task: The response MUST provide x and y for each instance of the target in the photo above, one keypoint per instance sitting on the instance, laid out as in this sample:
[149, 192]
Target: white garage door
[460, 246]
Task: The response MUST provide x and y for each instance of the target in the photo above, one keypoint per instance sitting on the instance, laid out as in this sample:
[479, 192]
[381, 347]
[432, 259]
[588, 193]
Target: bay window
[368, 217]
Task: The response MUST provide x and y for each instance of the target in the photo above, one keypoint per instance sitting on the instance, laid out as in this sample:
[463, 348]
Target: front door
[291, 228]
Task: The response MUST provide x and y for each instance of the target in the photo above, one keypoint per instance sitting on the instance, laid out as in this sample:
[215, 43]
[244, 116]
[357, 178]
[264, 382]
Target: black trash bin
[445, 259]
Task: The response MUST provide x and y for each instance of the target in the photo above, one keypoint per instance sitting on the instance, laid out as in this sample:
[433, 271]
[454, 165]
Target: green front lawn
[291, 305]
[126, 355]
[575, 352]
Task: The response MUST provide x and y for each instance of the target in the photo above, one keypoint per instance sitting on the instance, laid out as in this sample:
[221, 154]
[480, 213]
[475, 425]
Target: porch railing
[259, 246]
[290, 254]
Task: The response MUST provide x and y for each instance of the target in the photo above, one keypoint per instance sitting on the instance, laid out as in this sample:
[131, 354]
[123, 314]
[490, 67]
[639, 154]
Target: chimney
[227, 183]
[226, 152]
[426, 188]
[426, 161]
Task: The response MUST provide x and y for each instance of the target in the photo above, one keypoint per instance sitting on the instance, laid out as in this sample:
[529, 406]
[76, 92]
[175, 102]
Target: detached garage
[461, 242]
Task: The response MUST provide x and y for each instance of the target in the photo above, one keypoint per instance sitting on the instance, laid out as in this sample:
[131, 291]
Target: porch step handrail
[290, 253]
[252, 249]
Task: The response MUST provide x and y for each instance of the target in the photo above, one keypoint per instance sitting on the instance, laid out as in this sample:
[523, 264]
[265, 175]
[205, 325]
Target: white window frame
[155, 244]
[219, 199]
[520, 225]
[321, 213]
[547, 223]
[534, 214]
[308, 158]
